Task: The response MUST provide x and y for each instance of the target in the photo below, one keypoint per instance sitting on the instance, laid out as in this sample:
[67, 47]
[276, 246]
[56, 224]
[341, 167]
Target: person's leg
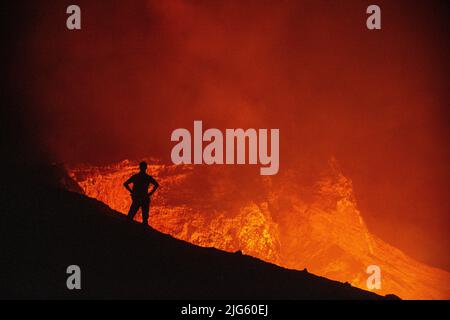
[145, 209]
[133, 210]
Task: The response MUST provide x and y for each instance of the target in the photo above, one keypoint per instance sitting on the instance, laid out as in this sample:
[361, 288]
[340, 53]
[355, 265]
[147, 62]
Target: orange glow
[290, 223]
[377, 101]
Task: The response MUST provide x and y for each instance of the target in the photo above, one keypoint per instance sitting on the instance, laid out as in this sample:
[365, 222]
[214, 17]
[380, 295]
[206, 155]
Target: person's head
[143, 166]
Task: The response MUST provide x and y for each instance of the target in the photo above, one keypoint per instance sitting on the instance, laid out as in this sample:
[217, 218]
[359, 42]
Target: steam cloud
[374, 100]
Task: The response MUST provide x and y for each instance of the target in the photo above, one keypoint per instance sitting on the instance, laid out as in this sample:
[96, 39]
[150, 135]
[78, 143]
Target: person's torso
[141, 183]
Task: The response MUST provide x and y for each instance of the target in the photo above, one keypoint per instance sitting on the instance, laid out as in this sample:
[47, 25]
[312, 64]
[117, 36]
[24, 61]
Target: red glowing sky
[377, 101]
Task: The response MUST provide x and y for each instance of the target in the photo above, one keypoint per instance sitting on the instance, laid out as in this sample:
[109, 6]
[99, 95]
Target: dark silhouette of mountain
[46, 228]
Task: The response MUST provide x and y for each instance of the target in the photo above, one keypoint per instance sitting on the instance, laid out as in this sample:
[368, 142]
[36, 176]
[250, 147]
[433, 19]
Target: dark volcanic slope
[44, 229]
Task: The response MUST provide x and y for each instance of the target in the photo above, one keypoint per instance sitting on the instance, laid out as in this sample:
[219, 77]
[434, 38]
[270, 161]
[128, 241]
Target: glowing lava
[284, 221]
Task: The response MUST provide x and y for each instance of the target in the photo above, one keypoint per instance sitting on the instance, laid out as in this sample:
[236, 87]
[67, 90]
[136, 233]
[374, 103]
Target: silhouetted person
[139, 193]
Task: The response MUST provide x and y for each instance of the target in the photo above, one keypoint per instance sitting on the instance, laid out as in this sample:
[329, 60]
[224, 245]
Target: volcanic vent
[291, 220]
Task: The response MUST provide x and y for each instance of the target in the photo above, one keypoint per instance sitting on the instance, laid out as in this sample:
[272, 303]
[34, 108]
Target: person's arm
[127, 183]
[155, 186]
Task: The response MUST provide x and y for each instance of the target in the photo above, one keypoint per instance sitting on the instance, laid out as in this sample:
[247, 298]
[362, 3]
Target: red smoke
[376, 100]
